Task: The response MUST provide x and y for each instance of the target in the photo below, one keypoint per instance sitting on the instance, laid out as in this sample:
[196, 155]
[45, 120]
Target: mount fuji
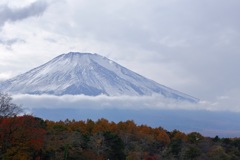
[89, 74]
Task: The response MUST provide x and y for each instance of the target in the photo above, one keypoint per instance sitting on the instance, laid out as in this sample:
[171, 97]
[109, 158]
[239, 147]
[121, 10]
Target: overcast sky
[190, 45]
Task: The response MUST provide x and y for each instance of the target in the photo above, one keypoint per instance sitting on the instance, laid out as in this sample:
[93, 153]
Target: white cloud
[124, 102]
[5, 76]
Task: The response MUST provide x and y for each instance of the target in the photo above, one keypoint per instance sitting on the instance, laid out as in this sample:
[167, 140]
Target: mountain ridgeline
[89, 74]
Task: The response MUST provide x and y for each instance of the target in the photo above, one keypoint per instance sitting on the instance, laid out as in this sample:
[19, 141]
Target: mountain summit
[89, 74]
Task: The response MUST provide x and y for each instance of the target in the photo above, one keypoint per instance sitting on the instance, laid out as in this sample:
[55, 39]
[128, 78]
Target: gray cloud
[10, 42]
[15, 14]
[153, 26]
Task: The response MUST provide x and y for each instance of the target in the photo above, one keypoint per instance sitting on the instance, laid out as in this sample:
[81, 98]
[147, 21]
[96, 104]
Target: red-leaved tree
[21, 137]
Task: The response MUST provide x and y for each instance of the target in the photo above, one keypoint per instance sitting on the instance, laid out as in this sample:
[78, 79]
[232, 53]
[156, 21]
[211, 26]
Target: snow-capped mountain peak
[89, 74]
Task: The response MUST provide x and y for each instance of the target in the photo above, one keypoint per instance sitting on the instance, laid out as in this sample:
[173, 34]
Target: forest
[25, 137]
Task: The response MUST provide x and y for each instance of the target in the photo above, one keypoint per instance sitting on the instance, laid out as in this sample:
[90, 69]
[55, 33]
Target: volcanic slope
[88, 74]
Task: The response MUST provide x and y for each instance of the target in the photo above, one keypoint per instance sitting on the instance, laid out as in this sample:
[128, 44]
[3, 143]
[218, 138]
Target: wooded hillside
[27, 137]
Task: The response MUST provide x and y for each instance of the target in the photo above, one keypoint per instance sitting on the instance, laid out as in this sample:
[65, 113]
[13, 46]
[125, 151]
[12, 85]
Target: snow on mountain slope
[89, 74]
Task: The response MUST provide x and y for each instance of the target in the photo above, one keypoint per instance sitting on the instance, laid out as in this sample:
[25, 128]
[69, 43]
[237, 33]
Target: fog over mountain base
[210, 119]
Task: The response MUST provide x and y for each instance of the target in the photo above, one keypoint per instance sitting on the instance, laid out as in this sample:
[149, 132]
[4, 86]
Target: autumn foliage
[21, 137]
[30, 138]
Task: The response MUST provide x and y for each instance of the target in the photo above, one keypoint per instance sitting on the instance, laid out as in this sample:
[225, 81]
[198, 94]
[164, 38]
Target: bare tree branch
[7, 108]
